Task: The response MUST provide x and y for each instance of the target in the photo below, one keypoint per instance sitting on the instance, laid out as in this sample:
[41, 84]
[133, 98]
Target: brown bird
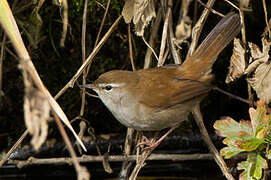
[158, 98]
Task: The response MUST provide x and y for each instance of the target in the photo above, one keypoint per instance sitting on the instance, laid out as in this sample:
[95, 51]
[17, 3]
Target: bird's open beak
[90, 86]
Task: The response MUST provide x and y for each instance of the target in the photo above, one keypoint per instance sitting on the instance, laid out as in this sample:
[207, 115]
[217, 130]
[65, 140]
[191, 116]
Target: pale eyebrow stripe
[102, 85]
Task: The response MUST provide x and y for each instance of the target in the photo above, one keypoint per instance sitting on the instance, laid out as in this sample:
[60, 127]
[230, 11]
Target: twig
[140, 164]
[219, 160]
[131, 48]
[175, 55]
[102, 24]
[198, 27]
[266, 18]
[144, 40]
[116, 158]
[163, 41]
[232, 95]
[1, 63]
[89, 59]
[165, 56]
[82, 172]
[13, 148]
[211, 9]
[83, 43]
[65, 23]
[100, 29]
[126, 165]
[154, 32]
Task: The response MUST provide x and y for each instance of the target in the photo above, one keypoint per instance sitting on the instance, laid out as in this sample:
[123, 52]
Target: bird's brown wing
[161, 88]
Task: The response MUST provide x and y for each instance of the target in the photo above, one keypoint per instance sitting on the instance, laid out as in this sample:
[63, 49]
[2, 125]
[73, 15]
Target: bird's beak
[90, 86]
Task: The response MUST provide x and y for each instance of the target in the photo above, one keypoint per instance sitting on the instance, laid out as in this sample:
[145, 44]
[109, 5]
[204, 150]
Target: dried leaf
[184, 26]
[260, 81]
[142, 12]
[128, 11]
[183, 29]
[237, 63]
[37, 114]
[245, 5]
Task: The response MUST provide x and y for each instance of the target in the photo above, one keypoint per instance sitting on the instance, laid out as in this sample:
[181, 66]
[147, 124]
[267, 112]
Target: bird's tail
[205, 55]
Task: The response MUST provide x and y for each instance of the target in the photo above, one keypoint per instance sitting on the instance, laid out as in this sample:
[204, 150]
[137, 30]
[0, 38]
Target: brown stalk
[89, 59]
[82, 172]
[154, 32]
[65, 23]
[164, 38]
[13, 148]
[198, 28]
[131, 48]
[83, 44]
[218, 159]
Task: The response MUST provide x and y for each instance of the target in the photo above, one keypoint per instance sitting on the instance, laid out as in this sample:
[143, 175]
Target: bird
[158, 98]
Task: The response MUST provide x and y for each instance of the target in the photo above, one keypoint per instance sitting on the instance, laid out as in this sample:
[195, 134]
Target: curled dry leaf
[260, 81]
[141, 11]
[184, 26]
[37, 114]
[245, 5]
[237, 63]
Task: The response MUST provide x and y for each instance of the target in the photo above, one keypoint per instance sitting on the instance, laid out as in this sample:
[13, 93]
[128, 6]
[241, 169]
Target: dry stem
[219, 160]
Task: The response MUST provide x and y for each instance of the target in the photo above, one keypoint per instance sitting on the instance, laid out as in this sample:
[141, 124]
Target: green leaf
[260, 120]
[249, 143]
[268, 154]
[253, 167]
[246, 166]
[229, 127]
[230, 151]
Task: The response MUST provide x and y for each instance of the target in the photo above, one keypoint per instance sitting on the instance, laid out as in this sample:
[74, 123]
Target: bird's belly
[146, 119]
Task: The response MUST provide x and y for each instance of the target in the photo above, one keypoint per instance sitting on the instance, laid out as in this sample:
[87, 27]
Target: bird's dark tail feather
[205, 55]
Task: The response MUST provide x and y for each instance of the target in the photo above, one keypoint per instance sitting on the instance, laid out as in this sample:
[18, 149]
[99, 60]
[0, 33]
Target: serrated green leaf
[260, 120]
[230, 151]
[245, 166]
[258, 164]
[253, 167]
[268, 154]
[249, 143]
[229, 127]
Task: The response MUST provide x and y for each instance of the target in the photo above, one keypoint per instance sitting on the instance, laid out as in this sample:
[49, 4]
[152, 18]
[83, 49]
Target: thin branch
[131, 48]
[126, 165]
[144, 40]
[13, 148]
[2, 56]
[82, 172]
[266, 18]
[219, 160]
[198, 27]
[89, 59]
[65, 23]
[154, 32]
[102, 24]
[164, 38]
[171, 38]
[114, 158]
[232, 95]
[210, 9]
[83, 44]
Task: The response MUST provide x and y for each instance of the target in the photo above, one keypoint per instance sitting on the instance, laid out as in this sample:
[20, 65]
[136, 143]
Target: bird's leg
[152, 144]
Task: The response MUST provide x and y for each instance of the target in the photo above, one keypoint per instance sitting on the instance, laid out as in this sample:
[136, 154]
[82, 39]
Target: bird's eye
[108, 87]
